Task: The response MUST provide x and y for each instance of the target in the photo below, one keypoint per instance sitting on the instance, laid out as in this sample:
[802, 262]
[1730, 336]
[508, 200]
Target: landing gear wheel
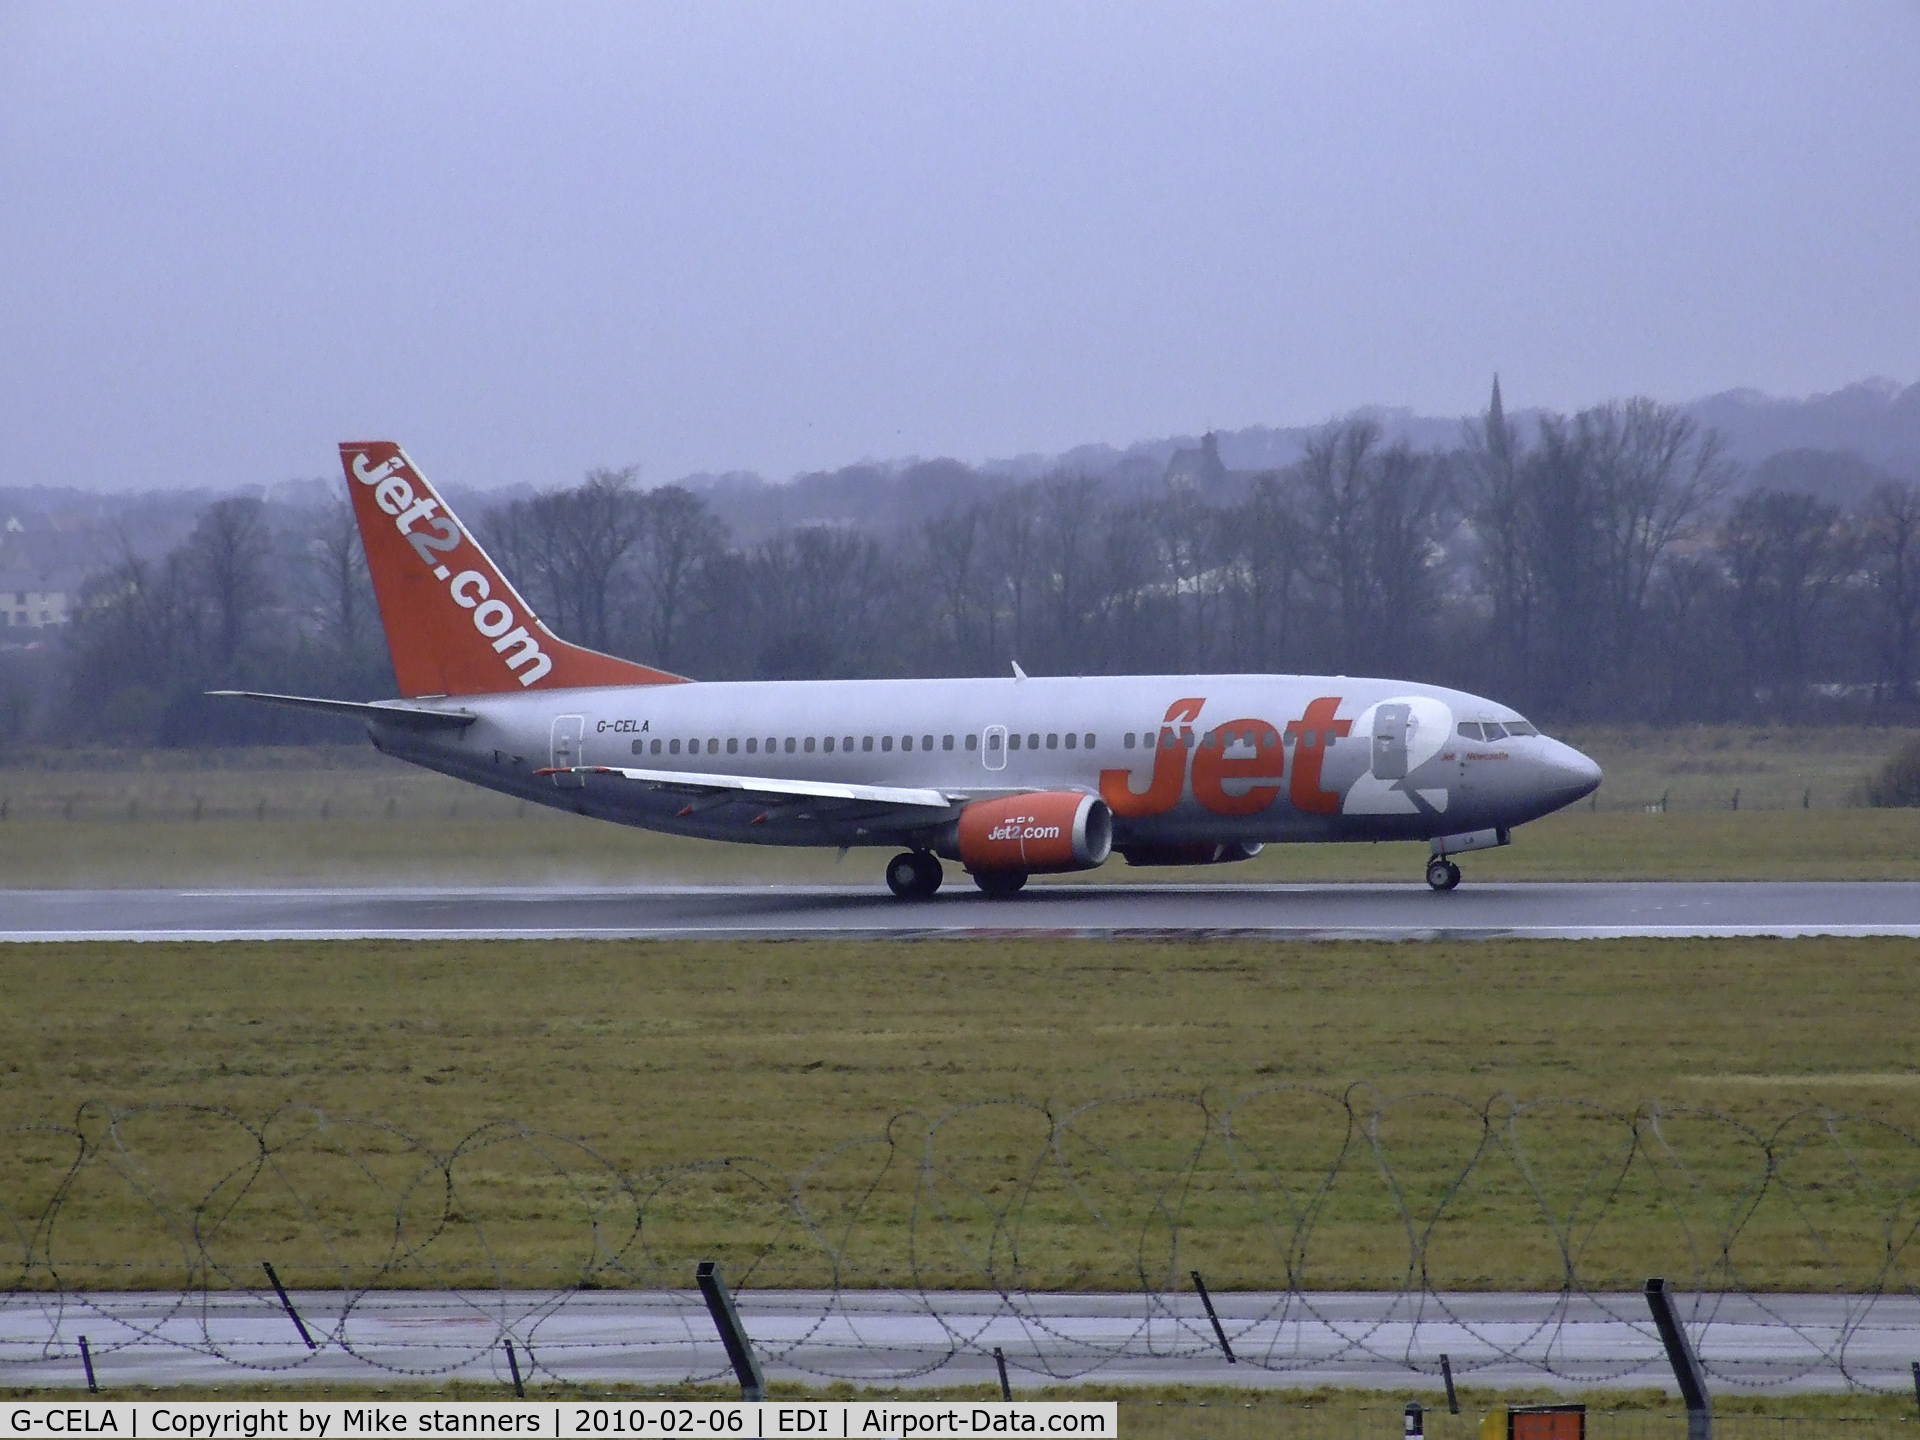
[1442, 873]
[1000, 884]
[913, 875]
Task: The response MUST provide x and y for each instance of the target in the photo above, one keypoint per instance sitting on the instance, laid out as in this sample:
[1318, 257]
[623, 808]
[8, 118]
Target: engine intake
[1046, 832]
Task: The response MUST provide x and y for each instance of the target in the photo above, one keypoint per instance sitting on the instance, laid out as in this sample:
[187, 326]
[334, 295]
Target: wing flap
[759, 785]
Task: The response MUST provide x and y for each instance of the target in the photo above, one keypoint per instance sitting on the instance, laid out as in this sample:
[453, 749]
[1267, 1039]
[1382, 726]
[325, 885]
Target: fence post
[726, 1319]
[1446, 1374]
[86, 1359]
[1916, 1382]
[292, 1314]
[1686, 1365]
[513, 1369]
[1006, 1390]
[1219, 1333]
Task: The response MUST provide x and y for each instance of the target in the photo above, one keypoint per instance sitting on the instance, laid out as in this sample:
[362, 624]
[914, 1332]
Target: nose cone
[1565, 775]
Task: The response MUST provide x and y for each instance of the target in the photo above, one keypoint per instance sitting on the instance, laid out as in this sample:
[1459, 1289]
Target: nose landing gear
[1442, 873]
[913, 875]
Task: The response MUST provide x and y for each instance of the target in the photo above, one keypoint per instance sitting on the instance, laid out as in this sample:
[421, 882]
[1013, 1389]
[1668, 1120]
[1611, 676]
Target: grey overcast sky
[526, 240]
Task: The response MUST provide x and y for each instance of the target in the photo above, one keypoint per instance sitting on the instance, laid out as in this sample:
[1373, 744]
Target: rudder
[455, 625]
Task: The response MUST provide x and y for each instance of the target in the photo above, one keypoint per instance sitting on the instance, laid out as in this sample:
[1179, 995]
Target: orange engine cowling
[1050, 831]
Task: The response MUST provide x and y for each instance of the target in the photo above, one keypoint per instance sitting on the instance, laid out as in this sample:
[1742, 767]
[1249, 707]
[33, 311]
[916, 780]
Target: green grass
[865, 1079]
[346, 815]
[1217, 1412]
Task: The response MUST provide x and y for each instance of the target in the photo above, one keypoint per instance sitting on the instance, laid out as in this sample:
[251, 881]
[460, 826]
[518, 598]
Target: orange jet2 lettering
[1263, 762]
[1169, 769]
[1311, 733]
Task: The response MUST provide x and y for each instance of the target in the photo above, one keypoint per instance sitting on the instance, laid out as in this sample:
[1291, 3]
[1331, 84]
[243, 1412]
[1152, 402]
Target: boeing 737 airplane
[1011, 778]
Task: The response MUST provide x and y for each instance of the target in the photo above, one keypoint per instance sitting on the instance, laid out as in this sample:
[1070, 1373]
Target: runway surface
[1793, 1342]
[1398, 912]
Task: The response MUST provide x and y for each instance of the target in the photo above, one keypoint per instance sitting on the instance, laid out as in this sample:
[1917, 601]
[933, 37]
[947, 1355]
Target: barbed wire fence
[1336, 1229]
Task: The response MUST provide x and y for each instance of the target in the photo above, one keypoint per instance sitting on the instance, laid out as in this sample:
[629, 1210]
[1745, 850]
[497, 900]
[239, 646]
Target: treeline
[1606, 565]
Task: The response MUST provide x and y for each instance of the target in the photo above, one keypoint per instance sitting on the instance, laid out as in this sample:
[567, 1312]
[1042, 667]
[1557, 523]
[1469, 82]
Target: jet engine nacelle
[1202, 854]
[1041, 833]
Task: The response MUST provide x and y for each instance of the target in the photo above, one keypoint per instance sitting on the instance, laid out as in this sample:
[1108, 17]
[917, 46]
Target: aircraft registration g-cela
[1011, 777]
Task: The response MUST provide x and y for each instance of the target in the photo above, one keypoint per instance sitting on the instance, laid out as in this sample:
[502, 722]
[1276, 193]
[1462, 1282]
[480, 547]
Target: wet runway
[1396, 912]
[1779, 1342]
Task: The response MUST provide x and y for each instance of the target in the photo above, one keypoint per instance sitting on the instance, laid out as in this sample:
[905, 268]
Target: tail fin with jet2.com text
[455, 626]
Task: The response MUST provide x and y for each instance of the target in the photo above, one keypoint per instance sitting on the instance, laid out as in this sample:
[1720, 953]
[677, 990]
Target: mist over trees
[1613, 565]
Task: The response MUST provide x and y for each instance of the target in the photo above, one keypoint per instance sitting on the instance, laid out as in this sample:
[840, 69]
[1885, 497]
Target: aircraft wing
[390, 712]
[761, 787]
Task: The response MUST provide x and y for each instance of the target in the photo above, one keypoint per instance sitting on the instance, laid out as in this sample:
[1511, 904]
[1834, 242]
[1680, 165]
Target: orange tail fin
[454, 625]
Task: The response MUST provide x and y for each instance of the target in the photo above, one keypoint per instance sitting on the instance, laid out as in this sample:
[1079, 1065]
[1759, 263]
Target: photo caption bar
[357, 1419]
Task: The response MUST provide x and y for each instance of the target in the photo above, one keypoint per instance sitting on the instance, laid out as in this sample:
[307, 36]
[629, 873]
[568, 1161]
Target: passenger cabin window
[638, 746]
[1071, 738]
[809, 744]
[1089, 740]
[846, 742]
[674, 748]
[946, 742]
[886, 742]
[789, 746]
[713, 747]
[926, 742]
[753, 746]
[1126, 741]
[973, 742]
[733, 746]
[829, 744]
[866, 742]
[1053, 741]
[1013, 742]
[1033, 742]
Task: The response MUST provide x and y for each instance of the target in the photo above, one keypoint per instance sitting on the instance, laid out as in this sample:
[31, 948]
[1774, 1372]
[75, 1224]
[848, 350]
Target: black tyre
[1442, 874]
[1000, 884]
[903, 875]
[930, 874]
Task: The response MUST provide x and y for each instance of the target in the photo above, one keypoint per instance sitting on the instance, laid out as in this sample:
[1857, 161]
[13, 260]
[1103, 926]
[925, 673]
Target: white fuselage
[1180, 759]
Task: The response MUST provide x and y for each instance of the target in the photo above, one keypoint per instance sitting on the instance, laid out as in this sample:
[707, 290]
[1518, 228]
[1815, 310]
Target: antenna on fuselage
[1018, 673]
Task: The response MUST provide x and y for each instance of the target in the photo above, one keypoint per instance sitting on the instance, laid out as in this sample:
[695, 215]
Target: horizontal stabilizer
[386, 712]
[758, 785]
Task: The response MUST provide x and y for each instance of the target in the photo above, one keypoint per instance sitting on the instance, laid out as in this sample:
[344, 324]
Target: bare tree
[336, 582]
[680, 540]
[227, 555]
[1784, 552]
[1890, 547]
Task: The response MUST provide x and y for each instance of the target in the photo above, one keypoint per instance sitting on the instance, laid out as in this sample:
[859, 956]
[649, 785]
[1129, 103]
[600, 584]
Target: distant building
[30, 609]
[1197, 469]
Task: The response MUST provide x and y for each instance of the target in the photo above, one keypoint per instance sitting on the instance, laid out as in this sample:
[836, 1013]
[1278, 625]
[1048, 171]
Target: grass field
[348, 815]
[1223, 1414]
[856, 1077]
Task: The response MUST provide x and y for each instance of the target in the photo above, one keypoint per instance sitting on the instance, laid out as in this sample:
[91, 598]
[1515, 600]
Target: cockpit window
[1491, 731]
[1469, 730]
[1520, 727]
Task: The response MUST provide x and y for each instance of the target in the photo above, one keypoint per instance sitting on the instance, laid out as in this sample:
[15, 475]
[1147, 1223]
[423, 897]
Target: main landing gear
[1442, 873]
[1000, 884]
[913, 875]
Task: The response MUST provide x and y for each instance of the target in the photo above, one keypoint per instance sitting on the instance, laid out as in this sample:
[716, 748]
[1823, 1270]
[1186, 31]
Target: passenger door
[1390, 742]
[568, 731]
[993, 747]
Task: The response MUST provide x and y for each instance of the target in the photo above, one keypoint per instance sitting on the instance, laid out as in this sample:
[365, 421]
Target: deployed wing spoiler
[387, 712]
[754, 785]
